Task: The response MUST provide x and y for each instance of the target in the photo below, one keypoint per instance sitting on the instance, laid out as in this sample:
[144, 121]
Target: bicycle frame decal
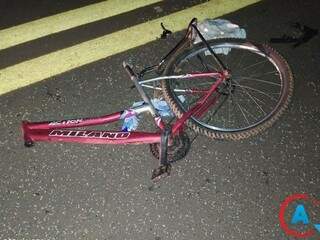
[66, 122]
[90, 134]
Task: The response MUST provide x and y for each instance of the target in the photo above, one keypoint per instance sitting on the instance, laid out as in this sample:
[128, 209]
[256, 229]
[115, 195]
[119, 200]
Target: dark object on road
[302, 34]
[165, 32]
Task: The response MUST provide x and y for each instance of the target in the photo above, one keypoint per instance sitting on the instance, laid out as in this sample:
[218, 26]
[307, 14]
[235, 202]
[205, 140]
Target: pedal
[161, 172]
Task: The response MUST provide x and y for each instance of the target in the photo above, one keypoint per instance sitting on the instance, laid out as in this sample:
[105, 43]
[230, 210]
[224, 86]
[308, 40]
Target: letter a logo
[300, 215]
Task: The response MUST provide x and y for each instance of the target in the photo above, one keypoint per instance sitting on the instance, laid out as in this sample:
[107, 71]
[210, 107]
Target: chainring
[176, 151]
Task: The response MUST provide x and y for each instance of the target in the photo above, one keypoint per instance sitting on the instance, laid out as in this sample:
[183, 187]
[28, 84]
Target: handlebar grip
[129, 70]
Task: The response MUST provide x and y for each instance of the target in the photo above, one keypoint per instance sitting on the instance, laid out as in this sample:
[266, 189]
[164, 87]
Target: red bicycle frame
[67, 130]
[60, 131]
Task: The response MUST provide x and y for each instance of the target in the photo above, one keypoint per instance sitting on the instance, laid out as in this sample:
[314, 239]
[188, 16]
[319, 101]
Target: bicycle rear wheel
[251, 100]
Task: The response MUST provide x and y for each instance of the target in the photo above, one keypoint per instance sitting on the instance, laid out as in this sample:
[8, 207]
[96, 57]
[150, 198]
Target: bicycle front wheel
[250, 101]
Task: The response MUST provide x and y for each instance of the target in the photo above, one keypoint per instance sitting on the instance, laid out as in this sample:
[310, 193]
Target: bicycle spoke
[243, 113]
[257, 99]
[259, 80]
[254, 89]
[192, 102]
[264, 74]
[254, 65]
[196, 66]
[237, 66]
[202, 63]
[253, 99]
[219, 106]
[226, 63]
[247, 111]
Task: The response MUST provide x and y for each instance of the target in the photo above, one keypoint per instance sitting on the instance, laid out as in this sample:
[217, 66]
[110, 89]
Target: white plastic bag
[219, 28]
[131, 120]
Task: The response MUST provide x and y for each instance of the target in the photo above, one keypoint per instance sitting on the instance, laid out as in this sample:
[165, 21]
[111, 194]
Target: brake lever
[165, 32]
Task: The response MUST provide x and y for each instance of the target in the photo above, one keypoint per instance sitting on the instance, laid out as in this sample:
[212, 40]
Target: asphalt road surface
[221, 190]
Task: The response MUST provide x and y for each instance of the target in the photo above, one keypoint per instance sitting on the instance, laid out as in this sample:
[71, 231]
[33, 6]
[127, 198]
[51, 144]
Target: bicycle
[220, 98]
